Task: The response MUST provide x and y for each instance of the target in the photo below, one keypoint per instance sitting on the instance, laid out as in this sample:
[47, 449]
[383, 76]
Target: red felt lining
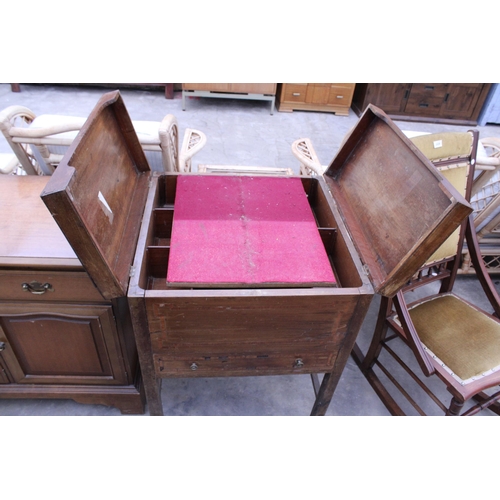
[247, 231]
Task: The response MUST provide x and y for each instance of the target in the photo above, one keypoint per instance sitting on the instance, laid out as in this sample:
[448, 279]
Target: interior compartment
[156, 256]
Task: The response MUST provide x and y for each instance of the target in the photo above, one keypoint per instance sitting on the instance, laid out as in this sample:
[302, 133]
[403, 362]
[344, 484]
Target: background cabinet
[253, 91]
[455, 103]
[332, 97]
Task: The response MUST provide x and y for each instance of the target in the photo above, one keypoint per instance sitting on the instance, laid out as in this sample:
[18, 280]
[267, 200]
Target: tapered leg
[330, 380]
[379, 334]
[152, 385]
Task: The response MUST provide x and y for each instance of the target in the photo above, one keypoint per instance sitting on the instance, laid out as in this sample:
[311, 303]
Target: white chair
[9, 163]
[192, 143]
[39, 142]
[244, 170]
[303, 150]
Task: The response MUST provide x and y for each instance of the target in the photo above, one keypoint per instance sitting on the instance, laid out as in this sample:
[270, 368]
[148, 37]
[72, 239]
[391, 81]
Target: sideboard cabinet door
[61, 344]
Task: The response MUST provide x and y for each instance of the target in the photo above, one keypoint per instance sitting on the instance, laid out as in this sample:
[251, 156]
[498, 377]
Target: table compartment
[157, 244]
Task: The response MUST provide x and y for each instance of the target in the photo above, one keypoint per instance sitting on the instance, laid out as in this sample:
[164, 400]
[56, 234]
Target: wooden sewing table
[379, 211]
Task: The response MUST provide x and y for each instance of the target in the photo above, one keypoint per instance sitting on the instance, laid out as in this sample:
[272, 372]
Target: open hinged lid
[98, 192]
[397, 207]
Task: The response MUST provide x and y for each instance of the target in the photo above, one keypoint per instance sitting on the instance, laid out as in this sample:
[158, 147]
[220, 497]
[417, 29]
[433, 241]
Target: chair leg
[455, 407]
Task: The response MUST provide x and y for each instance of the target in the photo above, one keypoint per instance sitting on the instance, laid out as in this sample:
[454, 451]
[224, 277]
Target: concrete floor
[239, 132]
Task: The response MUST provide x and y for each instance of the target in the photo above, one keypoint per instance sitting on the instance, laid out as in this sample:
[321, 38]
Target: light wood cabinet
[252, 91]
[331, 97]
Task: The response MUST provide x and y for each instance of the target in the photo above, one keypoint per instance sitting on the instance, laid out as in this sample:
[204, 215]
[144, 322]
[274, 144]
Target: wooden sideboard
[453, 103]
[252, 91]
[59, 338]
[331, 97]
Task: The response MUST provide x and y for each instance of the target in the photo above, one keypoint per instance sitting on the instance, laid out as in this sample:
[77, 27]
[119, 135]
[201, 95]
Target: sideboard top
[30, 236]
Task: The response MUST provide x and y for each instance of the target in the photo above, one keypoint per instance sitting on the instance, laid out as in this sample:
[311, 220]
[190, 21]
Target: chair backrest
[304, 151]
[454, 155]
[169, 140]
[40, 142]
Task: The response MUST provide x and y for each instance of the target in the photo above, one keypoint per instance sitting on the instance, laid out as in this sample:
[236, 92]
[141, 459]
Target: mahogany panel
[61, 344]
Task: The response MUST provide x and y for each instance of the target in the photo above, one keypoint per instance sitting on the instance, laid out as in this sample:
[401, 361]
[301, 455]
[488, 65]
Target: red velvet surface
[245, 231]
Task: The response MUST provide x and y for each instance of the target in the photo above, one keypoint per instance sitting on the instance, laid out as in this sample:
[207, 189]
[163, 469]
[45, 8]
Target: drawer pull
[37, 288]
[340, 97]
[296, 94]
[298, 363]
[193, 366]
[2, 346]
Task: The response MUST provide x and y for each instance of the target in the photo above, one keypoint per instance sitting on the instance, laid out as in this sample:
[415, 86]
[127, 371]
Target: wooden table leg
[169, 91]
[15, 87]
[152, 385]
[330, 380]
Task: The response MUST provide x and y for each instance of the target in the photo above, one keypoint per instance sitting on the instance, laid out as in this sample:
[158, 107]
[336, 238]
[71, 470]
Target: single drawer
[427, 98]
[241, 365]
[48, 286]
[341, 95]
[294, 92]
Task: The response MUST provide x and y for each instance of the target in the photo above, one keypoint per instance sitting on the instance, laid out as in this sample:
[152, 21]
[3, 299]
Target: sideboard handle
[37, 288]
[2, 346]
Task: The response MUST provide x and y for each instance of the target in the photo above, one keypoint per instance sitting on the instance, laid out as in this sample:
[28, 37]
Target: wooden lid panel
[396, 205]
[97, 195]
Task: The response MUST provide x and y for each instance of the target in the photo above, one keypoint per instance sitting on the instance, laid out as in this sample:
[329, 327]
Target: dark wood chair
[450, 338]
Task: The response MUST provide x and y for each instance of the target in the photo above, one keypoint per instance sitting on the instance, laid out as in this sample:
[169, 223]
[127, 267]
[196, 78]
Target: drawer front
[426, 99]
[208, 87]
[226, 336]
[341, 95]
[48, 286]
[254, 88]
[264, 363]
[294, 92]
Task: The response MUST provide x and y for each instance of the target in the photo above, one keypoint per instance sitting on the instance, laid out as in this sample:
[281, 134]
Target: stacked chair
[39, 142]
[437, 339]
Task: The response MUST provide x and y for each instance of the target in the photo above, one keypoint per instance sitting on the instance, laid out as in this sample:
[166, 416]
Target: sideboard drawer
[48, 286]
[426, 97]
[341, 95]
[294, 92]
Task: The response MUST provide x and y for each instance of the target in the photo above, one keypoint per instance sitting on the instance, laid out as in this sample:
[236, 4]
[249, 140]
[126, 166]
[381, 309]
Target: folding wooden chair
[448, 337]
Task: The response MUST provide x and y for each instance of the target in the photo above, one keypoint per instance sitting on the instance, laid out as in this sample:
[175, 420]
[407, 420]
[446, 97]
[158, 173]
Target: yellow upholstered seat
[465, 339]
